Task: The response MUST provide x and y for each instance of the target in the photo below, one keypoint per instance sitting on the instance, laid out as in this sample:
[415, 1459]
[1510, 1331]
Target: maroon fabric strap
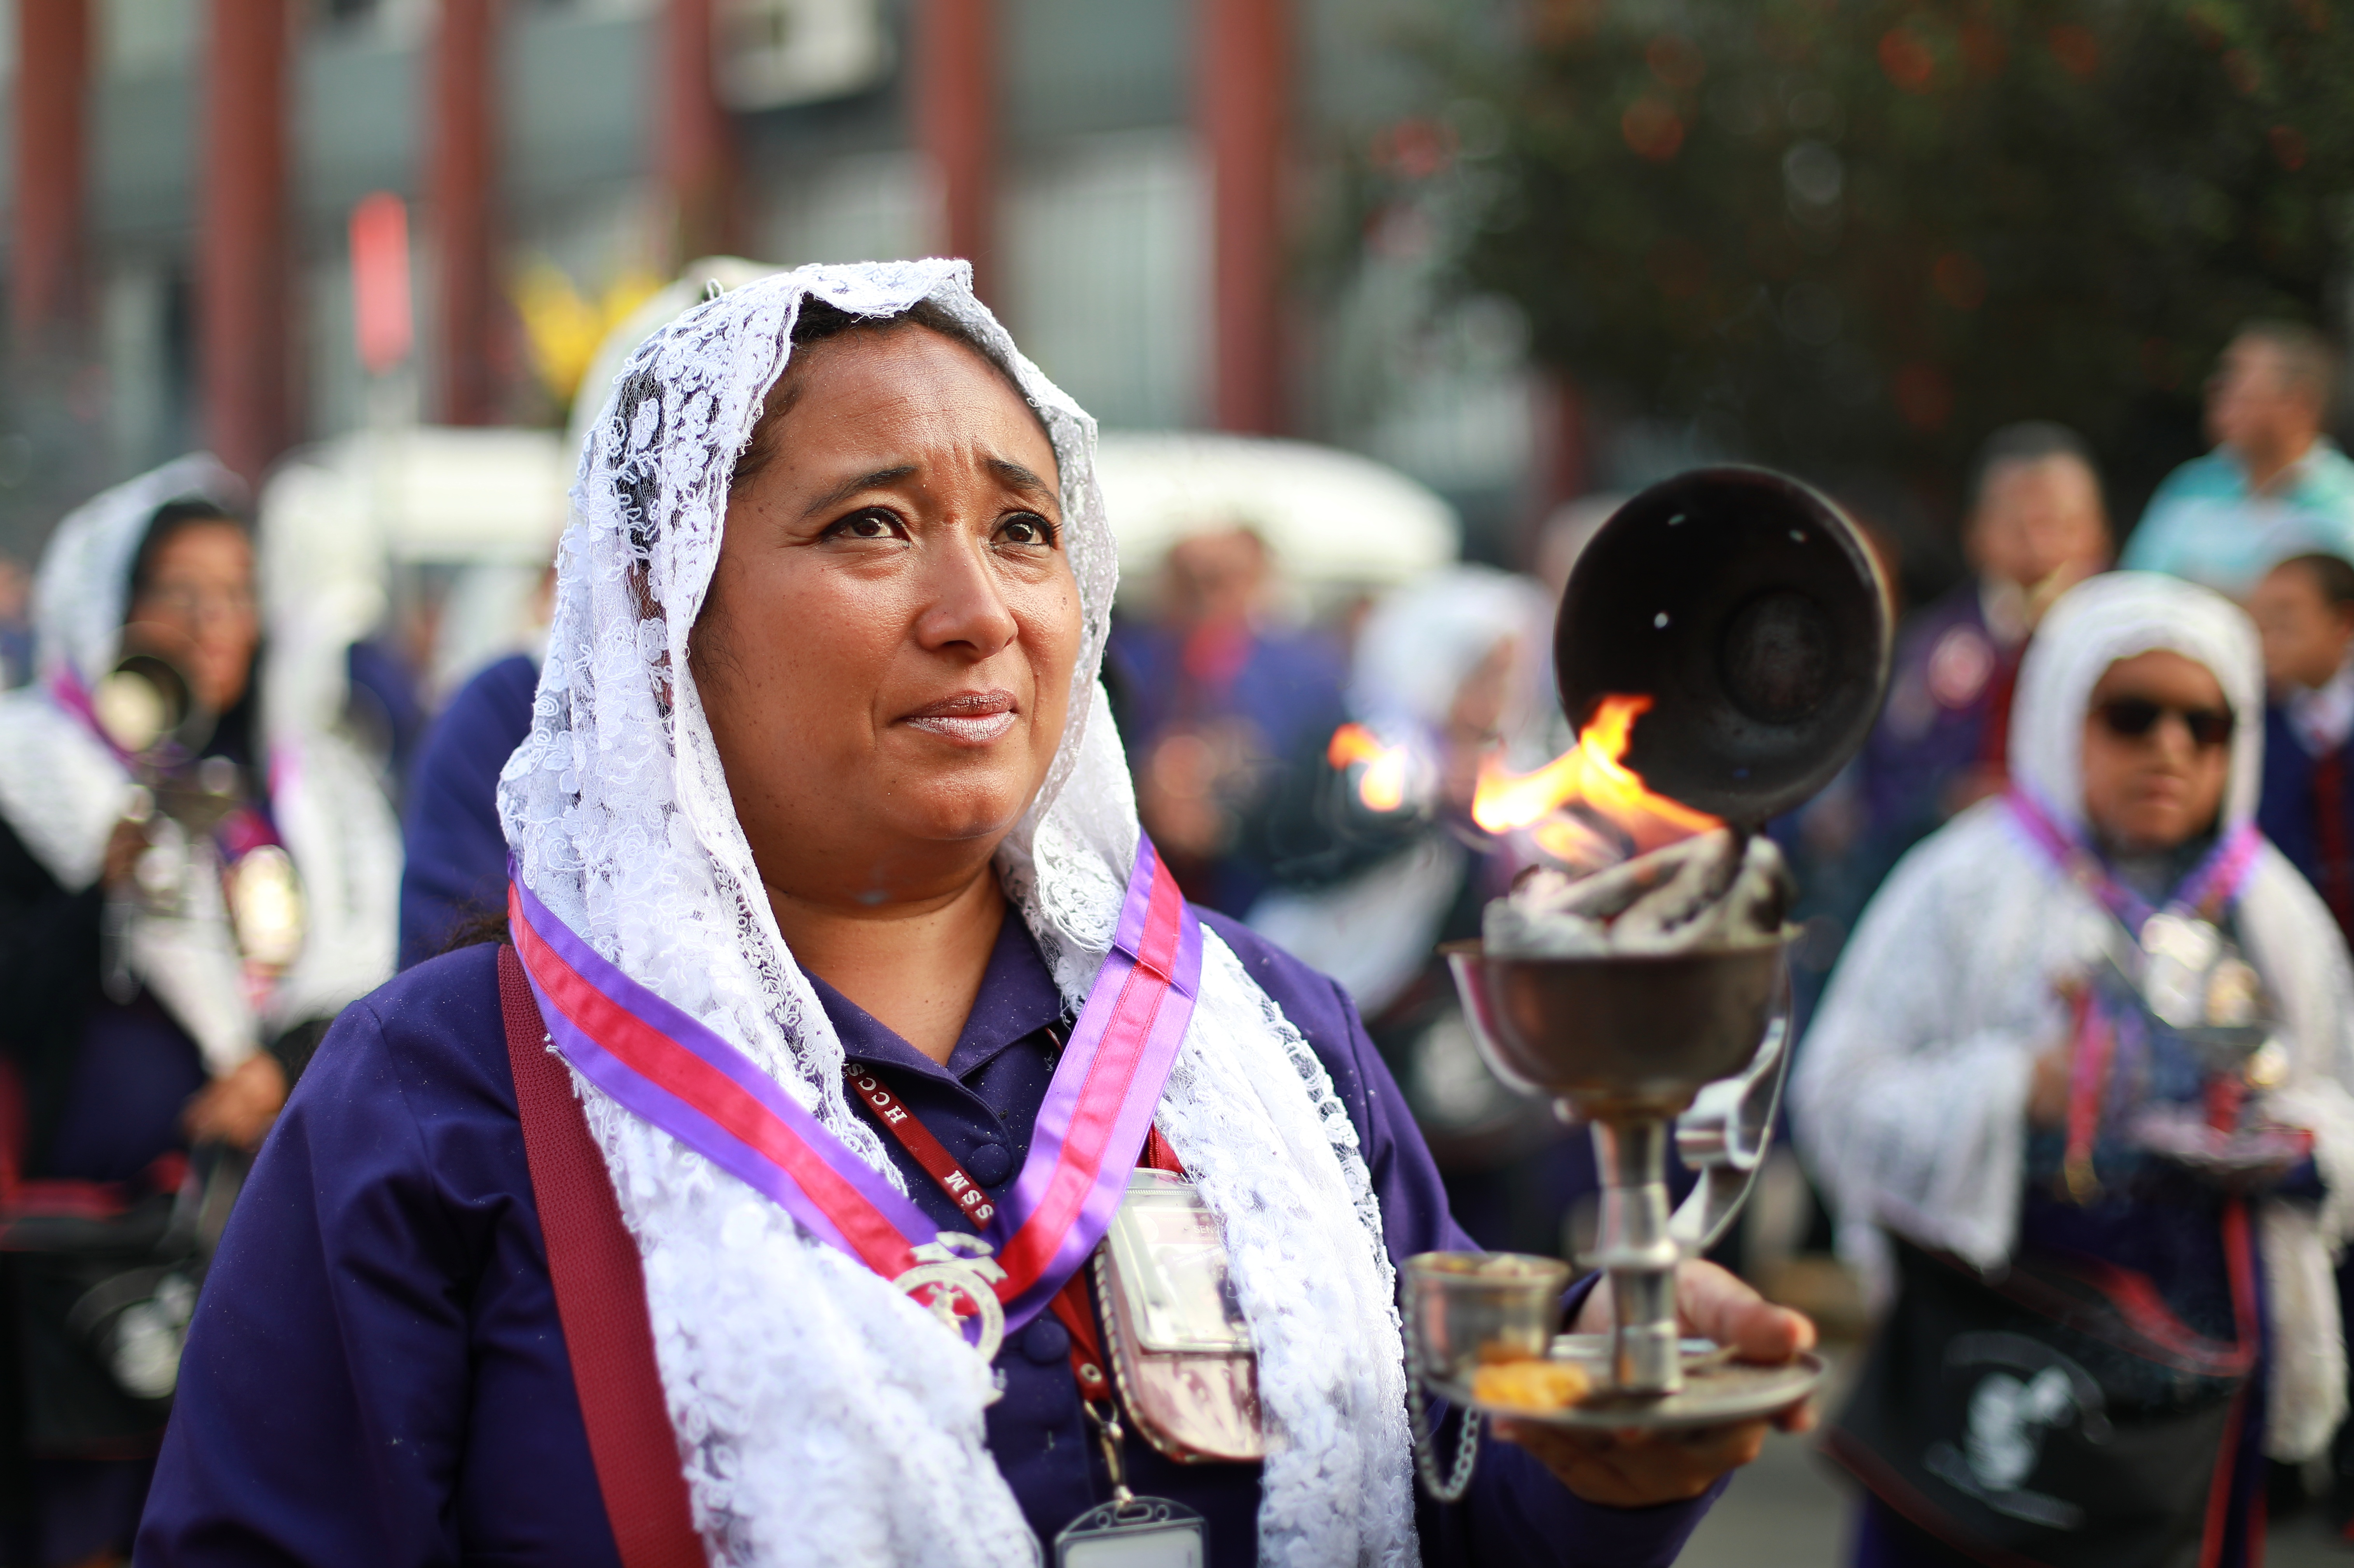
[2329, 826]
[600, 1295]
[969, 1196]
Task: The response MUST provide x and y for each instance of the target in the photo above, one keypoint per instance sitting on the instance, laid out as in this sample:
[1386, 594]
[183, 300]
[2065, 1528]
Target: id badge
[1141, 1532]
[1178, 1345]
[1171, 1264]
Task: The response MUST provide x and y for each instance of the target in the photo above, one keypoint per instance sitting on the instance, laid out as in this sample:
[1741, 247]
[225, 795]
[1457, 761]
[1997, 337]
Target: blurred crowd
[300, 743]
[1319, 784]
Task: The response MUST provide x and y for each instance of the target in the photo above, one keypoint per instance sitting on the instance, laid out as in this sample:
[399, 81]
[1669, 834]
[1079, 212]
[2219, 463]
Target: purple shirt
[376, 1374]
[455, 854]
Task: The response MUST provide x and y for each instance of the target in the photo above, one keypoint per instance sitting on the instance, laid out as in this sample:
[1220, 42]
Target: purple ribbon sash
[676, 1072]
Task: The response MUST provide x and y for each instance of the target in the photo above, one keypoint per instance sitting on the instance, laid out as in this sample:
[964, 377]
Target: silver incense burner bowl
[1644, 1048]
[1749, 608]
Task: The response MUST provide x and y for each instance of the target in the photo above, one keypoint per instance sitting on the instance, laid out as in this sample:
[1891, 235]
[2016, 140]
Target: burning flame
[1382, 787]
[1586, 808]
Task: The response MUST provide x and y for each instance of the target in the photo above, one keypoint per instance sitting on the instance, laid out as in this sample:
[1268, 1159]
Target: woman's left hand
[1634, 1468]
[239, 1106]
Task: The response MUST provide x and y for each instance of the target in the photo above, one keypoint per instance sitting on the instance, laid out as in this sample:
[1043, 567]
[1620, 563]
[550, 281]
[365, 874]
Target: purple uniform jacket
[1946, 670]
[2306, 809]
[376, 1373]
[455, 854]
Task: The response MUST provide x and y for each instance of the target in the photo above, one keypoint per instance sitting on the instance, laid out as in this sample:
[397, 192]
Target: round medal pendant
[2235, 996]
[957, 1295]
[265, 903]
[2180, 952]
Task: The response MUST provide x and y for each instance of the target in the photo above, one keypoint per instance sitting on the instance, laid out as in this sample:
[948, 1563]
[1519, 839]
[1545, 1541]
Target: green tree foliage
[1867, 231]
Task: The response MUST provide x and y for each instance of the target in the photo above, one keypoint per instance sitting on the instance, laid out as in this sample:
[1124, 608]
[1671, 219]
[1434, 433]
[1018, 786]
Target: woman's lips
[970, 718]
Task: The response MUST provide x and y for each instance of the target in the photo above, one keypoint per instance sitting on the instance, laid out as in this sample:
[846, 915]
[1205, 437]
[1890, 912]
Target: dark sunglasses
[2134, 717]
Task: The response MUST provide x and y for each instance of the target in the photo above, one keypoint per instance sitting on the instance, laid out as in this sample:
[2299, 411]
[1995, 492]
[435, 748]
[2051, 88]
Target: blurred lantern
[380, 311]
[1386, 769]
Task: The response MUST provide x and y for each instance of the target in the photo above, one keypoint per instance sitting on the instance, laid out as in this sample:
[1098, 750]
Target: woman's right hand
[2047, 1090]
[123, 848]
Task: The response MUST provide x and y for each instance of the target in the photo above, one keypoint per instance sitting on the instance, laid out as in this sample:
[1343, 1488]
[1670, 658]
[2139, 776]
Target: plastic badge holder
[1179, 1346]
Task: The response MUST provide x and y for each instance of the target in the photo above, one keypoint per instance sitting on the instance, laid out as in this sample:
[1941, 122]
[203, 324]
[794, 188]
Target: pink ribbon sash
[676, 1073]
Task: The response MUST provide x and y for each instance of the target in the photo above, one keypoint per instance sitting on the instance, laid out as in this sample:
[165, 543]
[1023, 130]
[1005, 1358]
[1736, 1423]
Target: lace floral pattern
[820, 1415]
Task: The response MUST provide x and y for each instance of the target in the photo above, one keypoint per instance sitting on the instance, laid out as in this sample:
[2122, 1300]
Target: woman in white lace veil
[820, 1414]
[1942, 1051]
[650, 866]
[63, 790]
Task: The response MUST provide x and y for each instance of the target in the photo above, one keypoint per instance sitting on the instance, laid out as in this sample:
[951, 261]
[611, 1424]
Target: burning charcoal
[1713, 890]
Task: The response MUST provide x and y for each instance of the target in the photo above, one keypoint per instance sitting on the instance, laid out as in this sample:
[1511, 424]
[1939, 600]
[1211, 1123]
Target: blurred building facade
[1152, 191]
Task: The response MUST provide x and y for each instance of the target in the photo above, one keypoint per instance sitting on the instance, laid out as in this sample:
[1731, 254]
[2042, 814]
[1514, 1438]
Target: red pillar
[45, 297]
[1242, 93]
[243, 264]
[956, 125]
[1564, 437]
[695, 157]
[464, 160]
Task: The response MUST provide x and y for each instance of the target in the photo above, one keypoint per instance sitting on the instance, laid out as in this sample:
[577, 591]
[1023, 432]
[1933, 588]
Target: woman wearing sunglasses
[2077, 1096]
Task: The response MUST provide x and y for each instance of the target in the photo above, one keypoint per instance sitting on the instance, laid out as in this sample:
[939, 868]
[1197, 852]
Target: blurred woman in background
[184, 905]
[1376, 863]
[2035, 1102]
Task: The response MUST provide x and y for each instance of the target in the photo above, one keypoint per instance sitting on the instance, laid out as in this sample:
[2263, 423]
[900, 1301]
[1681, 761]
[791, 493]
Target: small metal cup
[1463, 1309]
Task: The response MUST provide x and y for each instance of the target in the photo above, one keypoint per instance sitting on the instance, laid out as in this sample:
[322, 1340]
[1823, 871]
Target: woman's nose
[966, 605]
[2172, 737]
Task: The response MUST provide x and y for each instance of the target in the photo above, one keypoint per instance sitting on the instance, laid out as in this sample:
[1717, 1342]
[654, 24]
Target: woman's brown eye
[866, 525]
[1027, 529]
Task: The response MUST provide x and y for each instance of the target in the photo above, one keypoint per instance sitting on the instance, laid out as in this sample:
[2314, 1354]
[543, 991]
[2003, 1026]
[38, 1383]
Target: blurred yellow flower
[564, 325]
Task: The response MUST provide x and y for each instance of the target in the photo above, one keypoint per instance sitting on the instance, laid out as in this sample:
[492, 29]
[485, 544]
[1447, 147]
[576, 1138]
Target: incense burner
[1740, 614]
[1644, 1047]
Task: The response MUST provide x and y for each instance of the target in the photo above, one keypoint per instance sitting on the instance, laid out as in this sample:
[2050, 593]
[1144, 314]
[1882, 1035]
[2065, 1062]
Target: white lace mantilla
[822, 1417]
[1910, 1094]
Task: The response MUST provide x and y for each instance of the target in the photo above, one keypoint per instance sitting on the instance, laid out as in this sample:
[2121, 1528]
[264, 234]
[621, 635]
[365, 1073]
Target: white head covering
[62, 791]
[823, 1417]
[83, 587]
[1423, 641]
[1374, 933]
[2119, 615]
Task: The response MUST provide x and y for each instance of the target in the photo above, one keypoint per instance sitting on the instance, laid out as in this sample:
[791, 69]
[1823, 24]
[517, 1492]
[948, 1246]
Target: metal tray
[1717, 1391]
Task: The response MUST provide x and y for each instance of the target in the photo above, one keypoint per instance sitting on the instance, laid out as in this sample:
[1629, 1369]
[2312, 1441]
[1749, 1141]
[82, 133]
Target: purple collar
[1016, 1000]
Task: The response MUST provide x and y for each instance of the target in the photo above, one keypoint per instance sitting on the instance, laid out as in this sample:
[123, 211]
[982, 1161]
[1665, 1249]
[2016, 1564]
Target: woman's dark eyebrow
[1021, 478]
[848, 488]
